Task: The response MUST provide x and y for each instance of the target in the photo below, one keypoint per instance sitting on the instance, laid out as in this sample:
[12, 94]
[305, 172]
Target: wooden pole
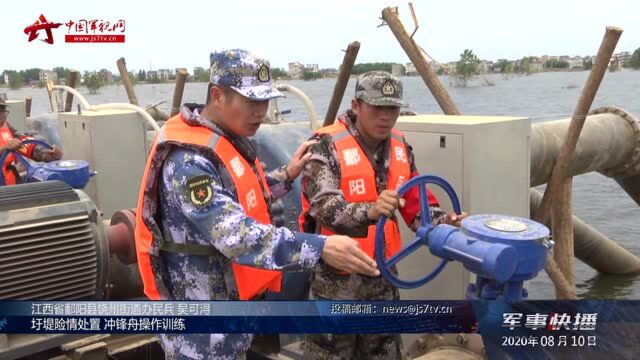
[53, 101]
[27, 106]
[124, 75]
[557, 195]
[390, 15]
[562, 230]
[181, 77]
[342, 81]
[73, 82]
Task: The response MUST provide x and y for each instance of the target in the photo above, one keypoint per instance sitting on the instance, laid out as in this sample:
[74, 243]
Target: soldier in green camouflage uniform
[321, 185]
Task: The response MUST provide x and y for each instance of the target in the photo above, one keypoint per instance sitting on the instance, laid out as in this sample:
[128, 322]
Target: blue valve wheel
[385, 265]
[19, 157]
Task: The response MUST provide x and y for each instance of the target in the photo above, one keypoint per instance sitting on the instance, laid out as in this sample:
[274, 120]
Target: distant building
[587, 59]
[565, 58]
[622, 57]
[296, 69]
[575, 62]
[397, 69]
[164, 74]
[106, 76]
[616, 62]
[152, 74]
[46, 75]
[410, 69]
[312, 68]
[6, 78]
[537, 63]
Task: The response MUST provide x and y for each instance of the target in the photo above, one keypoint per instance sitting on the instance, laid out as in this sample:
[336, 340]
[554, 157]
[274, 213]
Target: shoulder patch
[200, 191]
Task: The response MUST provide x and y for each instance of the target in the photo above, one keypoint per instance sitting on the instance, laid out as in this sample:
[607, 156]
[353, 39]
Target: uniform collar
[191, 114]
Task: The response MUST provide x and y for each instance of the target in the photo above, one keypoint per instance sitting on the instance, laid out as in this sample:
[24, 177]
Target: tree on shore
[556, 64]
[366, 67]
[93, 82]
[16, 80]
[310, 75]
[467, 68]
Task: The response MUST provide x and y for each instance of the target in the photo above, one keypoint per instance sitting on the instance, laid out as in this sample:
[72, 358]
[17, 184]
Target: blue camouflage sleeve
[217, 218]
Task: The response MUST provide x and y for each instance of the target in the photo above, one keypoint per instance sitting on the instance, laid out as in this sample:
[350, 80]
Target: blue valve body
[517, 252]
[527, 237]
[490, 260]
[73, 172]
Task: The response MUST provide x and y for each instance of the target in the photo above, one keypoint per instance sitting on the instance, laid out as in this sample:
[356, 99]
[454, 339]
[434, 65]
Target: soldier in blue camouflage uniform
[237, 102]
[371, 111]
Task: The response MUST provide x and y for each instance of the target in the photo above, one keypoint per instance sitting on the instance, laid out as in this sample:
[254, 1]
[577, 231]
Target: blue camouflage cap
[244, 72]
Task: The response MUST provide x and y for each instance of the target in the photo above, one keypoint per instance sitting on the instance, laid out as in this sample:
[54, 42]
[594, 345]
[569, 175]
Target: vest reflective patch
[351, 156]
[252, 200]
[401, 155]
[401, 180]
[356, 187]
[237, 166]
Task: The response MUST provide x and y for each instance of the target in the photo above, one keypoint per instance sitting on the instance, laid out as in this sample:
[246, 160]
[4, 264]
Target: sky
[170, 34]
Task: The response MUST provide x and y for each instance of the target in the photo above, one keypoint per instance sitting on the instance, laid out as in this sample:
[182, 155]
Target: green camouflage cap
[379, 88]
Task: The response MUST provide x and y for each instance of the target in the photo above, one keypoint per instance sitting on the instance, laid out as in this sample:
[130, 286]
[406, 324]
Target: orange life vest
[149, 241]
[358, 182]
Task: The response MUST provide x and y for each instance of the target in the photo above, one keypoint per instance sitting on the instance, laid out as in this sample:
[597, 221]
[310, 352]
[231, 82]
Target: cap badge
[263, 73]
[388, 89]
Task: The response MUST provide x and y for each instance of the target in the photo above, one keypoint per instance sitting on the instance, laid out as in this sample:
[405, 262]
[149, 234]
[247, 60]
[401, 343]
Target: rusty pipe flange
[632, 165]
[121, 235]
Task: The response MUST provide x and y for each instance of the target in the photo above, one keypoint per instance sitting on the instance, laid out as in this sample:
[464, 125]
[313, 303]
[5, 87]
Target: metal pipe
[118, 237]
[121, 235]
[593, 248]
[631, 185]
[609, 143]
